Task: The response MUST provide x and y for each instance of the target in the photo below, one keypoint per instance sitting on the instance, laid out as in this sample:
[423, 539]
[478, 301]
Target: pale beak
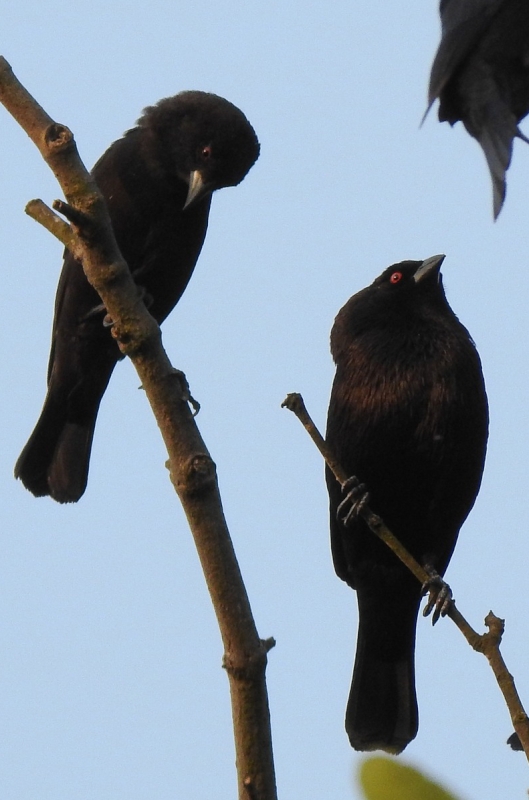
[432, 264]
[197, 188]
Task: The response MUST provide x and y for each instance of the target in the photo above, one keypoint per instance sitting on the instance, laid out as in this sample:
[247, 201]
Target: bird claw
[108, 322]
[357, 498]
[94, 312]
[144, 295]
[439, 596]
[148, 299]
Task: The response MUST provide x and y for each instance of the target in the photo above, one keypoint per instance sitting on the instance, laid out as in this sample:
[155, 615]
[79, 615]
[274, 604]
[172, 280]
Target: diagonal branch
[91, 239]
[488, 643]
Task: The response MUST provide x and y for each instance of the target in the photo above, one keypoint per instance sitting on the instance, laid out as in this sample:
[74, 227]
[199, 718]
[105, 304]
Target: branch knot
[250, 665]
[198, 475]
[57, 136]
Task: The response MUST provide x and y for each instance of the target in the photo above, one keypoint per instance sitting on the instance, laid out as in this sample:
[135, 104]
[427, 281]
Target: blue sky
[110, 678]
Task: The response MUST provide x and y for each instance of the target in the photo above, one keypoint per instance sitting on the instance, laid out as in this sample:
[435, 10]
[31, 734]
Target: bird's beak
[430, 265]
[197, 188]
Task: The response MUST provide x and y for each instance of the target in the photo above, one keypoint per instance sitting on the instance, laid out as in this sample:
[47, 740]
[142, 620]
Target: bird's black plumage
[408, 417]
[157, 181]
[481, 76]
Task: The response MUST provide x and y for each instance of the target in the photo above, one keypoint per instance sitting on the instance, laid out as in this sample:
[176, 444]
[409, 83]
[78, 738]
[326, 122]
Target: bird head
[407, 291]
[405, 286]
[410, 276]
[204, 140]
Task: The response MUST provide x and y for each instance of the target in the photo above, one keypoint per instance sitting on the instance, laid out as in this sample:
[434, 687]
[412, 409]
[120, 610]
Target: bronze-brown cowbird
[408, 417]
[157, 181]
[481, 76]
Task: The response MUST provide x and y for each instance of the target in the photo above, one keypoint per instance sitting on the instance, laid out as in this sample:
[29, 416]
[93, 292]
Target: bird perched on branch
[157, 181]
[481, 76]
[408, 417]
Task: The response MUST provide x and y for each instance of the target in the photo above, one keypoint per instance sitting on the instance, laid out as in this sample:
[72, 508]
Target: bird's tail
[56, 457]
[382, 709]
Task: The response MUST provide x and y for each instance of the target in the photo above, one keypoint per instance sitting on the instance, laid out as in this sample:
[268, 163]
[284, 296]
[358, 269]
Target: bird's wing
[496, 138]
[62, 289]
[463, 22]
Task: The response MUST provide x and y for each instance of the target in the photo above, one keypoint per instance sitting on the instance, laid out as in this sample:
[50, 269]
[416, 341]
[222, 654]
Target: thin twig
[488, 643]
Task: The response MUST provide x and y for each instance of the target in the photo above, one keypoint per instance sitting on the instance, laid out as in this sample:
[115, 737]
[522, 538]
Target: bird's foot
[439, 595]
[108, 322]
[94, 312]
[143, 294]
[356, 498]
[186, 391]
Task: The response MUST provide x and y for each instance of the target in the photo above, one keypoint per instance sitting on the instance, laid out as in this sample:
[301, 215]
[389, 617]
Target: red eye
[206, 152]
[396, 277]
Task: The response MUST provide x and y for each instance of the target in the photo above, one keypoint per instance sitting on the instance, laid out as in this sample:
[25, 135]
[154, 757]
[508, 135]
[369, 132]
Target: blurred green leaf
[386, 779]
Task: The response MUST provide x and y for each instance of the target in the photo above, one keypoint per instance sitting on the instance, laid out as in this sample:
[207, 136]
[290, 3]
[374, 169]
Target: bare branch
[488, 643]
[192, 470]
[42, 214]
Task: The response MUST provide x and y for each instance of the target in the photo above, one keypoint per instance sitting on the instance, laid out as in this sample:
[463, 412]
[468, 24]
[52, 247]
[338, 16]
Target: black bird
[157, 181]
[481, 76]
[408, 417]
